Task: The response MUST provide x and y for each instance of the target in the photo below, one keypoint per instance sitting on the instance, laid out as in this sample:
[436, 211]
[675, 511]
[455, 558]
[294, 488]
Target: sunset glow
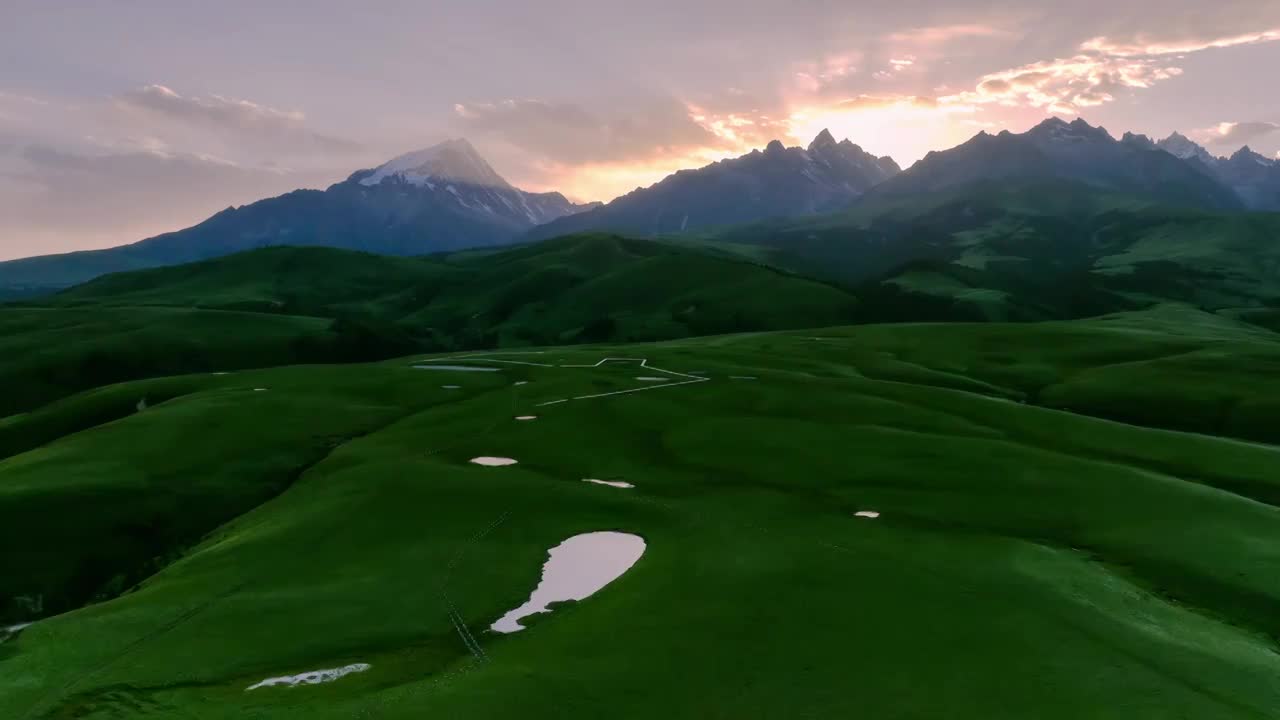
[592, 105]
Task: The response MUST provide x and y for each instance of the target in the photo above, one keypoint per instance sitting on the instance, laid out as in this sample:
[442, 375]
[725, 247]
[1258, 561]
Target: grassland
[290, 305]
[1047, 546]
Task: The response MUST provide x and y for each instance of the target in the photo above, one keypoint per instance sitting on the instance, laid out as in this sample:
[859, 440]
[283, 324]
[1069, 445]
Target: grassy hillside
[1028, 251]
[288, 305]
[602, 287]
[50, 352]
[1026, 562]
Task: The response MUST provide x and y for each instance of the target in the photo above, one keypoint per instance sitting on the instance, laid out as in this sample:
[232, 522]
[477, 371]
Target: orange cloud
[905, 126]
[1093, 77]
[1064, 85]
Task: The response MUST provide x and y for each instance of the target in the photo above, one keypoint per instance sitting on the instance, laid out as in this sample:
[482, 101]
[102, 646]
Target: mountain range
[1254, 178]
[439, 199]
[778, 182]
[1058, 150]
[447, 197]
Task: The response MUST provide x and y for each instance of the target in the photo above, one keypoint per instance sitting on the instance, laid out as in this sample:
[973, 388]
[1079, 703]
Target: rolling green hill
[291, 304]
[1028, 251]
[1043, 544]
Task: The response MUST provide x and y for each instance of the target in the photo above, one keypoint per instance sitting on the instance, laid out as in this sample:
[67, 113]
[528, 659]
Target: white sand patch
[576, 569]
[492, 461]
[872, 514]
[526, 417]
[645, 378]
[315, 677]
[610, 483]
[456, 368]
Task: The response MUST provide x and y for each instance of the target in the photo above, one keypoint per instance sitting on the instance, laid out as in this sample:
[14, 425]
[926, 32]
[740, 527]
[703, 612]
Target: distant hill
[778, 182]
[285, 305]
[1020, 249]
[443, 198]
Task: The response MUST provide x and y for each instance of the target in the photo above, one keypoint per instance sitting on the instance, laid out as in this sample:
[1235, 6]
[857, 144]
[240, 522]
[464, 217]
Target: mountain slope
[778, 182]
[1056, 150]
[442, 198]
[1256, 179]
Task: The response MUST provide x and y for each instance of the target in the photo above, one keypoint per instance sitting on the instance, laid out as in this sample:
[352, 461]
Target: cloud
[1065, 85]
[1097, 74]
[570, 133]
[943, 34]
[286, 130]
[831, 71]
[1235, 134]
[599, 154]
[868, 102]
[1140, 47]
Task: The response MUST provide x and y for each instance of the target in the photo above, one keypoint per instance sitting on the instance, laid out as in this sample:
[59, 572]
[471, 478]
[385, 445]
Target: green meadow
[1076, 519]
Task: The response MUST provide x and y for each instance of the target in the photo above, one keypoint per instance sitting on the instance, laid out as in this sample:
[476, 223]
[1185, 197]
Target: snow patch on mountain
[453, 160]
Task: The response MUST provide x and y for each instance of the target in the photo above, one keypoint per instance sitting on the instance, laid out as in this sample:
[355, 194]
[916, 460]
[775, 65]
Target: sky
[123, 120]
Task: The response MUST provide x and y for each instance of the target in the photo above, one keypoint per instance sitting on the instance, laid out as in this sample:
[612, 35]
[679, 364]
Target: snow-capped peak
[1180, 146]
[1056, 130]
[454, 160]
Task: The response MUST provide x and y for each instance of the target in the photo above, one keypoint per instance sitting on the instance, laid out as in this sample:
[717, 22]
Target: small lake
[576, 569]
[493, 461]
[610, 483]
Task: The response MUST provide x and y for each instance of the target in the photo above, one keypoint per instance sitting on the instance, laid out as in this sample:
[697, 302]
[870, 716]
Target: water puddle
[871, 514]
[576, 569]
[457, 368]
[315, 677]
[493, 461]
[7, 633]
[610, 483]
